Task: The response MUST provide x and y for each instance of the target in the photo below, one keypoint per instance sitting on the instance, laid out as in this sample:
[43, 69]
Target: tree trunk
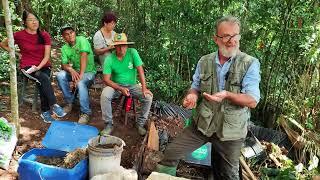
[13, 72]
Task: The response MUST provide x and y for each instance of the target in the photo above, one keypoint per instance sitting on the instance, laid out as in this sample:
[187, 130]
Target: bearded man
[225, 86]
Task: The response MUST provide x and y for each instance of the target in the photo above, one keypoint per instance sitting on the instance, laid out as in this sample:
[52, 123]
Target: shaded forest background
[171, 36]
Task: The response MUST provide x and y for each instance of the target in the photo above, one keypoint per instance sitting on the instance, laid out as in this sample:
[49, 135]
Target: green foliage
[4, 66]
[84, 16]
[171, 36]
[288, 169]
[166, 84]
[287, 173]
[278, 174]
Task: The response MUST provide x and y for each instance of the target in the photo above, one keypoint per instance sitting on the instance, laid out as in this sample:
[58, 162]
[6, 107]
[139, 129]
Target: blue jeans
[109, 93]
[64, 77]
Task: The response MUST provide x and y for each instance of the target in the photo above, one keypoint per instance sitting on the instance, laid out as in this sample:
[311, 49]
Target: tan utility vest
[227, 120]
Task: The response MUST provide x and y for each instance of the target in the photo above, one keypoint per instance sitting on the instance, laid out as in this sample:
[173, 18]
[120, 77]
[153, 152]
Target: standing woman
[35, 46]
[103, 38]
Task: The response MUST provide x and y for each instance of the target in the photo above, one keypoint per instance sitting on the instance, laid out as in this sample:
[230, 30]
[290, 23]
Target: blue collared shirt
[250, 83]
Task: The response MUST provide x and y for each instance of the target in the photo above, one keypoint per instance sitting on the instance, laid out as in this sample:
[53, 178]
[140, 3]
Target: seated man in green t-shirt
[77, 67]
[120, 74]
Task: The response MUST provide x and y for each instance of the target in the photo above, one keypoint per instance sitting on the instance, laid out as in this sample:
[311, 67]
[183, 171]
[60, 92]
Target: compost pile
[172, 125]
[168, 127]
[69, 161]
[189, 171]
[107, 146]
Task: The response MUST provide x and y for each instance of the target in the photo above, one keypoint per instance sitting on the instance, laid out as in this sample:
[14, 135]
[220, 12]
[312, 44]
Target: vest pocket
[234, 82]
[205, 82]
[204, 117]
[235, 124]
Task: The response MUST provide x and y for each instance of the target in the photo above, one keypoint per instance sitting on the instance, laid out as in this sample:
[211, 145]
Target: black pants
[47, 96]
[224, 154]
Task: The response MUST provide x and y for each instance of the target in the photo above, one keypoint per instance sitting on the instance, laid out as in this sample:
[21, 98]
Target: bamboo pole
[13, 71]
[247, 169]
[245, 176]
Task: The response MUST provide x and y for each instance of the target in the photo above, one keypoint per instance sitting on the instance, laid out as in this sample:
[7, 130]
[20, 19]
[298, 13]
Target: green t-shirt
[124, 71]
[71, 55]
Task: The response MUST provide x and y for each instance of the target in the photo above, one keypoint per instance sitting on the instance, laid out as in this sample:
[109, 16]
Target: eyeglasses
[32, 20]
[228, 38]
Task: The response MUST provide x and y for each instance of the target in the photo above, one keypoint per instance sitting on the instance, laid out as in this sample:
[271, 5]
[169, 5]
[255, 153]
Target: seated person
[103, 38]
[120, 75]
[77, 67]
[35, 46]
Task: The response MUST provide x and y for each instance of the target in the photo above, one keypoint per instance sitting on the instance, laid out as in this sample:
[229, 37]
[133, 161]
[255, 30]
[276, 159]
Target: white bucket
[104, 160]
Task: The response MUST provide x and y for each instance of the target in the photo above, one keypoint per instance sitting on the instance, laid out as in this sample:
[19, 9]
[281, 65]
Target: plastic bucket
[104, 159]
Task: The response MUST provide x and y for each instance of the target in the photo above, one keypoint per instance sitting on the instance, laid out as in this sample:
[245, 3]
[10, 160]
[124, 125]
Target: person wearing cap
[103, 38]
[225, 87]
[79, 68]
[35, 46]
[120, 75]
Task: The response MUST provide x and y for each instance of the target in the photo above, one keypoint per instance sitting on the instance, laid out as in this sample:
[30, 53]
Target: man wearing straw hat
[120, 75]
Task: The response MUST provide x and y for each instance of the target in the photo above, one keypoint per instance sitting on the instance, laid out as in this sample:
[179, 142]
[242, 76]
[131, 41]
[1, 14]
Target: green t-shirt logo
[130, 66]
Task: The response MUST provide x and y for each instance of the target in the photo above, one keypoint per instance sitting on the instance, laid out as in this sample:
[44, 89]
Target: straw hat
[120, 39]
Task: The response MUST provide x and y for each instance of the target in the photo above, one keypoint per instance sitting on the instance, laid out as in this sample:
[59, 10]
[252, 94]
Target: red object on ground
[128, 103]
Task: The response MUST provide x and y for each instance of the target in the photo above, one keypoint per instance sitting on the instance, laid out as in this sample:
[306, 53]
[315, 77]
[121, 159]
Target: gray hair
[228, 18]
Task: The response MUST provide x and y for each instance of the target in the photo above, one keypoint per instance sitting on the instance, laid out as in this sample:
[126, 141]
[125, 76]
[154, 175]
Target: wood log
[137, 165]
[153, 139]
[244, 172]
[244, 176]
[275, 160]
[246, 167]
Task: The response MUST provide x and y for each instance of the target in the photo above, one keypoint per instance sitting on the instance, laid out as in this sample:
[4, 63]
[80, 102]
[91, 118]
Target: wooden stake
[275, 160]
[153, 139]
[246, 167]
[244, 176]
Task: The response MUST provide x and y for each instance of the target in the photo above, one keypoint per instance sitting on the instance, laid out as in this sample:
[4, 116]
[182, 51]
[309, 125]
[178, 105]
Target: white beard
[229, 53]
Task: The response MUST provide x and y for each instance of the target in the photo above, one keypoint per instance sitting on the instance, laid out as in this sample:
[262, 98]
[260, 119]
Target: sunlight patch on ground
[28, 134]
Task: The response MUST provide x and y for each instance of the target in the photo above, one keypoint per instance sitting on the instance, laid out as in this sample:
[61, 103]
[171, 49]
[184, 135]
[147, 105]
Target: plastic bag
[8, 141]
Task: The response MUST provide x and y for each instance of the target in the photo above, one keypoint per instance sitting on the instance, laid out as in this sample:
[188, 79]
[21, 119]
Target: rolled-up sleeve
[251, 80]
[98, 42]
[196, 79]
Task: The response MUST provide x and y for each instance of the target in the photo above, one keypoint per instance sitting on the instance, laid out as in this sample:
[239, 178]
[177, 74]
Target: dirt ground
[33, 129]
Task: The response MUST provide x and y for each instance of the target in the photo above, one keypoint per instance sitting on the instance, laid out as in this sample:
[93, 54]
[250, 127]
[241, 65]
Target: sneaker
[46, 116]
[67, 108]
[106, 131]
[141, 130]
[58, 111]
[84, 118]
